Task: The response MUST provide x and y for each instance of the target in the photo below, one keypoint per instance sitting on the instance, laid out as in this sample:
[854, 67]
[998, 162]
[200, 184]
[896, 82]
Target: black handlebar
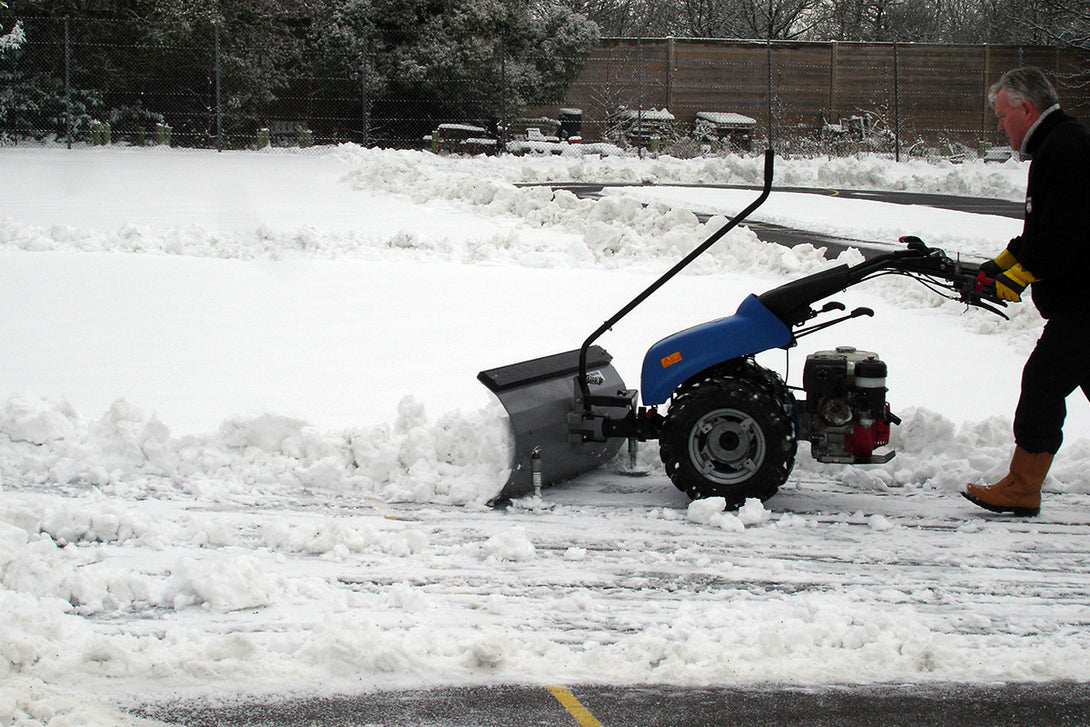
[931, 266]
[791, 302]
[584, 386]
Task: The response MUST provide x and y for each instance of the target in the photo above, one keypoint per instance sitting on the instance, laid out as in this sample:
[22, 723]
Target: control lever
[916, 244]
[856, 313]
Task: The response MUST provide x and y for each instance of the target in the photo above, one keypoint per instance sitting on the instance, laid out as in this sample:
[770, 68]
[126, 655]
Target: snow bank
[618, 233]
[458, 459]
[29, 702]
[402, 171]
[932, 452]
[614, 233]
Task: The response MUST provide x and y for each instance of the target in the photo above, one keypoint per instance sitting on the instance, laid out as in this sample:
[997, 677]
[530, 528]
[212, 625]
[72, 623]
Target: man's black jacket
[1055, 240]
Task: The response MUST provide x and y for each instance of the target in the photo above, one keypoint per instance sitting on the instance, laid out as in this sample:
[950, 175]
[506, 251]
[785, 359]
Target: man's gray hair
[1025, 84]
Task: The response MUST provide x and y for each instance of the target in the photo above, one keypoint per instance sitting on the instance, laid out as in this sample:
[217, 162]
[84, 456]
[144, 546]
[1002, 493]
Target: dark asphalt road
[941, 705]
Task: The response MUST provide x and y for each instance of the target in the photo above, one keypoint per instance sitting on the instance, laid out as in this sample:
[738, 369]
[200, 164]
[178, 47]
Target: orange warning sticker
[671, 359]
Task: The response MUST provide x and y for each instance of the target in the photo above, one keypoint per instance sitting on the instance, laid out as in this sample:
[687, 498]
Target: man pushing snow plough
[732, 427]
[1052, 254]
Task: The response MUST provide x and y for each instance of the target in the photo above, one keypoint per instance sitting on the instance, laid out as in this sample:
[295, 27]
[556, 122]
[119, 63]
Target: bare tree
[614, 18]
[778, 19]
[751, 19]
[854, 20]
[1032, 22]
[711, 18]
[1063, 22]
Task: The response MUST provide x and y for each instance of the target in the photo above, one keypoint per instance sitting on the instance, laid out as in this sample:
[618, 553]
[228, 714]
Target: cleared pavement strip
[1049, 704]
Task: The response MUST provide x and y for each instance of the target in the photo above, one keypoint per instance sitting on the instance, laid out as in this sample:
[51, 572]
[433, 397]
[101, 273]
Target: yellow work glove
[1010, 284]
[1003, 262]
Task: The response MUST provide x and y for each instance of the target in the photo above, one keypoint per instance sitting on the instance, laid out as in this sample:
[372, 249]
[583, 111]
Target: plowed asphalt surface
[1012, 705]
[588, 705]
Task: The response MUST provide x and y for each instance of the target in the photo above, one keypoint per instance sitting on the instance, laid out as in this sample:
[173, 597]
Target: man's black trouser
[1059, 364]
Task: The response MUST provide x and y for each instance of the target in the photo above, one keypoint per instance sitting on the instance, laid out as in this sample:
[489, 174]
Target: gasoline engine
[845, 416]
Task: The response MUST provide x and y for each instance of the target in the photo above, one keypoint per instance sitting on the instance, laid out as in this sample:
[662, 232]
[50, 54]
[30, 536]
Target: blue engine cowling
[677, 358]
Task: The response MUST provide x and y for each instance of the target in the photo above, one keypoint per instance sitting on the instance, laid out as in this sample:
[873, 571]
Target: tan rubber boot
[1019, 492]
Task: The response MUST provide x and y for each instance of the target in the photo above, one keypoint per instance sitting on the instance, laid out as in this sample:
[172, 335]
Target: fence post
[219, 105]
[671, 51]
[501, 124]
[67, 85]
[365, 82]
[896, 106]
[768, 65]
[639, 94]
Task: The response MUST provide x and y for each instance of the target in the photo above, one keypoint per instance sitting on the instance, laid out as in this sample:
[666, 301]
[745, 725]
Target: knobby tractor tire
[730, 435]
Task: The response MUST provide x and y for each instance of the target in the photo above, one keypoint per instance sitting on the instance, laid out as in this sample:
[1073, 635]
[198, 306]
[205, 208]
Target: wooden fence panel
[862, 80]
[800, 86]
[941, 91]
[712, 76]
[620, 74]
[938, 92]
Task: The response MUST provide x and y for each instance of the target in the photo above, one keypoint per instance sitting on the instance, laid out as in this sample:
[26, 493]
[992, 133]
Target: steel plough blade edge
[539, 395]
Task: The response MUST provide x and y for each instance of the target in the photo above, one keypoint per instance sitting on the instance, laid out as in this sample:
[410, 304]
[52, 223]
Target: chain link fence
[88, 81]
[81, 81]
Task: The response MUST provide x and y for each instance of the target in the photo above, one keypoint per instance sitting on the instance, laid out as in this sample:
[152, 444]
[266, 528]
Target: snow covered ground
[243, 451]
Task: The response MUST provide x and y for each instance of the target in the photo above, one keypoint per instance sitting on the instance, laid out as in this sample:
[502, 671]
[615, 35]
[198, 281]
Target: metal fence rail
[91, 81]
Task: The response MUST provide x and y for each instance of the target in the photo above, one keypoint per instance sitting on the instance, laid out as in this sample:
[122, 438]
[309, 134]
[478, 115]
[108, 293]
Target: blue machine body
[679, 357]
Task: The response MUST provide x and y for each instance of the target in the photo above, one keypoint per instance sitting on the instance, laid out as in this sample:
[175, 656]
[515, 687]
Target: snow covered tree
[453, 59]
[32, 98]
[254, 47]
[149, 61]
[13, 37]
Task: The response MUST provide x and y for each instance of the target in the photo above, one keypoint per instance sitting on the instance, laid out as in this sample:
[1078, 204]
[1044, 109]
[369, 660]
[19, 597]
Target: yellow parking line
[575, 709]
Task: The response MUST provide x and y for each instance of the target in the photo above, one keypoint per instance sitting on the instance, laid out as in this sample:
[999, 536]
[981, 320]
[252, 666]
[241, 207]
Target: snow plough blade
[539, 395]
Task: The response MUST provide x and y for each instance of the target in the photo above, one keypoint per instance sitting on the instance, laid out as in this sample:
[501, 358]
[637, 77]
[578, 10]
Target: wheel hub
[727, 446]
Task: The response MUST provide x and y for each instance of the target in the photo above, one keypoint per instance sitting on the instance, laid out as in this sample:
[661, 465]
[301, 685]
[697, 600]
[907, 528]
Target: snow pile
[933, 452]
[512, 544]
[335, 539]
[712, 511]
[458, 459]
[402, 171]
[28, 702]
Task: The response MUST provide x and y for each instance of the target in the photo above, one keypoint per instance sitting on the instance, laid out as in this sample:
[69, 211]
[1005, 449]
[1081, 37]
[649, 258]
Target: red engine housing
[845, 416]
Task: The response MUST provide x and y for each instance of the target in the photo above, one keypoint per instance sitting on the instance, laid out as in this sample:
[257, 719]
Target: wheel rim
[727, 446]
